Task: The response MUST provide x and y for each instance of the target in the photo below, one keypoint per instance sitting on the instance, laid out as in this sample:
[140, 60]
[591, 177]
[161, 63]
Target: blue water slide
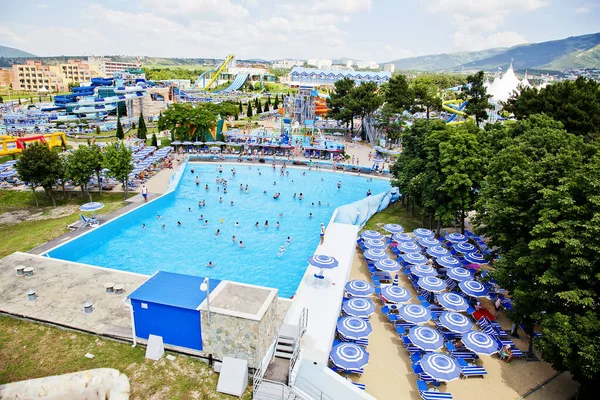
[200, 78]
[460, 108]
[102, 81]
[237, 83]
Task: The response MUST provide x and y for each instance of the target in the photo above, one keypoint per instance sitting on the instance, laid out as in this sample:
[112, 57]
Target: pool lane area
[184, 239]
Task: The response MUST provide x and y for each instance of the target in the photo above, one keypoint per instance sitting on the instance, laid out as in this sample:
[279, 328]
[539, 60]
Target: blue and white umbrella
[393, 228]
[440, 367]
[395, 294]
[375, 244]
[10, 162]
[353, 328]
[349, 356]
[395, 281]
[387, 265]
[371, 235]
[376, 254]
[402, 237]
[429, 242]
[473, 288]
[480, 343]
[358, 307]
[437, 251]
[423, 270]
[452, 301]
[359, 288]
[432, 284]
[322, 261]
[408, 247]
[475, 258]
[459, 274]
[7, 174]
[464, 247]
[423, 233]
[448, 262]
[425, 338]
[414, 313]
[455, 237]
[414, 258]
[93, 206]
[456, 322]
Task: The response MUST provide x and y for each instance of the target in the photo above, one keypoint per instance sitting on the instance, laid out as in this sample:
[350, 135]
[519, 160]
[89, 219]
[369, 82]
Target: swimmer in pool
[206, 187]
[288, 241]
[301, 196]
[231, 203]
[237, 224]
[310, 215]
[164, 226]
[197, 180]
[266, 224]
[218, 233]
[143, 226]
[242, 245]
[178, 223]
[210, 264]
[256, 225]
[281, 251]
[220, 199]
[158, 216]
[233, 238]
[205, 223]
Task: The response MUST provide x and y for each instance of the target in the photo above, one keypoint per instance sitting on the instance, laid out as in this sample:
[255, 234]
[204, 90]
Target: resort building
[34, 75]
[367, 65]
[389, 67]
[319, 63]
[322, 77]
[287, 64]
[107, 67]
[5, 77]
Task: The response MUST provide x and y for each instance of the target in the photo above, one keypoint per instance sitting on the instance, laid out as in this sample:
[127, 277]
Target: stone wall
[150, 106]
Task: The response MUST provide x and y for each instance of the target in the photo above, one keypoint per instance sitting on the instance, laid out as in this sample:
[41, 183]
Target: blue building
[323, 77]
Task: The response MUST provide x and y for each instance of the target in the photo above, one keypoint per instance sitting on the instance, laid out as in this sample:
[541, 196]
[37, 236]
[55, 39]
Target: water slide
[455, 107]
[237, 83]
[216, 73]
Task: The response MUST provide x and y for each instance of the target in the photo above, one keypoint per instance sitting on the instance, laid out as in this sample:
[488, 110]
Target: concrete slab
[246, 299]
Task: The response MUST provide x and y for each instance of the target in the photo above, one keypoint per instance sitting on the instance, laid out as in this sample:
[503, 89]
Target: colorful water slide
[81, 91]
[11, 144]
[219, 70]
[237, 83]
[455, 107]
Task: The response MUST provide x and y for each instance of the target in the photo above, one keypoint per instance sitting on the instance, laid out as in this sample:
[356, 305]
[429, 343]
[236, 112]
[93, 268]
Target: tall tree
[186, 122]
[258, 107]
[266, 107]
[154, 141]
[399, 96]
[119, 134]
[365, 99]
[249, 112]
[117, 159]
[426, 96]
[97, 159]
[142, 130]
[98, 130]
[340, 102]
[276, 102]
[241, 109]
[39, 166]
[81, 167]
[478, 99]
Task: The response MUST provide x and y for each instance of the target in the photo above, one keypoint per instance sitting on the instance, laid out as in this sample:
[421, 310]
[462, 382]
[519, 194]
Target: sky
[377, 30]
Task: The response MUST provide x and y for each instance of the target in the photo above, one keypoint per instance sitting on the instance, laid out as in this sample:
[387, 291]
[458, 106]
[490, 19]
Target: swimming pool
[126, 245]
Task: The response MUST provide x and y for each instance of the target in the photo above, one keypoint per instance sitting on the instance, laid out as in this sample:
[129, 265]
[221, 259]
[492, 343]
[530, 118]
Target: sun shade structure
[358, 307]
[426, 338]
[414, 313]
[354, 328]
[393, 228]
[459, 274]
[359, 288]
[456, 322]
[376, 254]
[432, 284]
[452, 301]
[473, 288]
[402, 237]
[423, 233]
[423, 270]
[375, 244]
[480, 343]
[387, 265]
[440, 367]
[370, 234]
[349, 356]
[455, 237]
[395, 294]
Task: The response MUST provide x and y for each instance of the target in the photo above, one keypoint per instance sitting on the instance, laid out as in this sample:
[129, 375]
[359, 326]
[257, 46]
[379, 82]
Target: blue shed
[167, 305]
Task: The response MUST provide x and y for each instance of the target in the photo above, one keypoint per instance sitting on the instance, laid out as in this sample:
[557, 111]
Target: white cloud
[198, 8]
[586, 8]
[342, 6]
[504, 39]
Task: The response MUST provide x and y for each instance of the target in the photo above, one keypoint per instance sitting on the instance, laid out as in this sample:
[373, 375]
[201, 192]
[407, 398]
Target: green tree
[478, 99]
[276, 102]
[391, 124]
[19, 101]
[249, 112]
[241, 111]
[1, 100]
[426, 96]
[575, 104]
[98, 130]
[187, 122]
[97, 158]
[399, 96]
[39, 166]
[365, 100]
[539, 205]
[266, 107]
[142, 130]
[61, 173]
[119, 134]
[341, 102]
[258, 107]
[81, 167]
[117, 159]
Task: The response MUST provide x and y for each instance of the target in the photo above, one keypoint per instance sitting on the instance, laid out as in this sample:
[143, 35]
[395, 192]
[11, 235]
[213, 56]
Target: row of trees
[43, 167]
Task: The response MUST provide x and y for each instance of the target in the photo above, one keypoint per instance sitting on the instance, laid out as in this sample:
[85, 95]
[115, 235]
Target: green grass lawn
[394, 214]
[29, 350]
[23, 236]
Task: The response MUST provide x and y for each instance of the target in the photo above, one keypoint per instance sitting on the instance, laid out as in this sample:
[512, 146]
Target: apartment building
[5, 77]
[107, 67]
[33, 75]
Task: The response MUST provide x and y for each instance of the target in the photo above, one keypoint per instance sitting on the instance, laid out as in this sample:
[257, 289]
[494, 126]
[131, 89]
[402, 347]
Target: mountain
[7, 52]
[573, 52]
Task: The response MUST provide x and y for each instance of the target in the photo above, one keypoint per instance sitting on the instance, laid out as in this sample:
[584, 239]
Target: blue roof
[341, 72]
[175, 290]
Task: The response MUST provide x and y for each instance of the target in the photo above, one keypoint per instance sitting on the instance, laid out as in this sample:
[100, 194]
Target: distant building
[389, 68]
[107, 67]
[367, 65]
[349, 63]
[33, 75]
[5, 77]
[319, 63]
[324, 77]
[287, 64]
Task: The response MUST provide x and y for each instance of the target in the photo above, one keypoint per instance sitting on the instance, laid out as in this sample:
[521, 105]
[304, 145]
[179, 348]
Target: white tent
[507, 84]
[525, 82]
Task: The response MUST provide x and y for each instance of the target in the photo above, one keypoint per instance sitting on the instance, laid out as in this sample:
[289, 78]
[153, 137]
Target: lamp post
[204, 287]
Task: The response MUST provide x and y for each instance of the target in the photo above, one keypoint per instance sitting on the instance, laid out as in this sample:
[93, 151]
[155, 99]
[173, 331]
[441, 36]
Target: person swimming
[266, 224]
[231, 204]
[158, 216]
[143, 226]
[210, 264]
[301, 196]
[310, 215]
[197, 180]
[189, 208]
[217, 233]
[257, 224]
[319, 202]
[192, 170]
[220, 199]
[276, 195]
[277, 225]
[294, 196]
[205, 223]
[288, 241]
[241, 187]
[237, 224]
[206, 187]
[242, 245]
[201, 217]
[164, 226]
[233, 239]
[339, 184]
[178, 223]
[281, 251]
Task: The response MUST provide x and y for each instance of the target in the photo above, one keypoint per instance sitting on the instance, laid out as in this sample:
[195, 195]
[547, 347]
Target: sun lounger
[422, 375]
[434, 395]
[361, 386]
[464, 355]
[473, 370]
[92, 222]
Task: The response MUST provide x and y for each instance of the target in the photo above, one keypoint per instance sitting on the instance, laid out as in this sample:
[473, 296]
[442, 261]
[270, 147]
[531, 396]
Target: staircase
[285, 347]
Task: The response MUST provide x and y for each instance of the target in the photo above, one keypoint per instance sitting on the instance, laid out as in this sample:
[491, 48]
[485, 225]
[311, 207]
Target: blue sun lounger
[428, 394]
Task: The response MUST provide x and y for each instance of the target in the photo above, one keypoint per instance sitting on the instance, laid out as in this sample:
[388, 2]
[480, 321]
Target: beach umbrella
[93, 206]
[395, 294]
[217, 143]
[176, 142]
[414, 258]
[215, 148]
[234, 144]
[409, 247]
[187, 143]
[354, 328]
[459, 274]
[480, 343]
[414, 313]
[387, 265]
[359, 288]
[198, 143]
[448, 262]
[437, 251]
[464, 247]
[349, 357]
[423, 233]
[395, 281]
[452, 301]
[475, 258]
[455, 322]
[393, 228]
[440, 367]
[370, 234]
[423, 270]
[429, 242]
[455, 238]
[425, 338]
[358, 307]
[473, 288]
[432, 284]
[322, 261]
[375, 254]
[7, 174]
[375, 244]
[402, 237]
[10, 162]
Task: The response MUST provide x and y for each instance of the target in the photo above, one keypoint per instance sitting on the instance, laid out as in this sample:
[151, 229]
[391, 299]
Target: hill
[573, 52]
[7, 52]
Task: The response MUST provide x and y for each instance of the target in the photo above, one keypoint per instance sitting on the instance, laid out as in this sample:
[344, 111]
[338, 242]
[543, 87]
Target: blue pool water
[125, 245]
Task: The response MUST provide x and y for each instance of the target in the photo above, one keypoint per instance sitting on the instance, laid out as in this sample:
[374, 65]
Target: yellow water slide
[456, 110]
[219, 70]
